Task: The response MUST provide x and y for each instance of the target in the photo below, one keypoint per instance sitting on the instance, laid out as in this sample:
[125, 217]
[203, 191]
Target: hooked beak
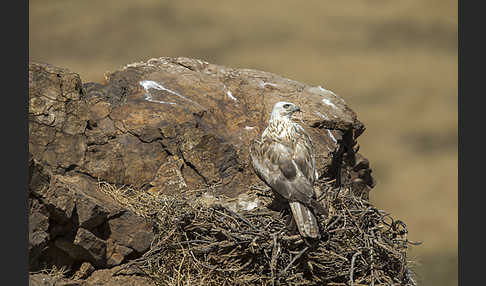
[297, 109]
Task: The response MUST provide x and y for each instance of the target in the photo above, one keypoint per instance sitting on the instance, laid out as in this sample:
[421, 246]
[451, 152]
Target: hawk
[284, 159]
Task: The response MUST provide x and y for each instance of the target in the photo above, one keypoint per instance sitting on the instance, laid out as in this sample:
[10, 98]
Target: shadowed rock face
[173, 124]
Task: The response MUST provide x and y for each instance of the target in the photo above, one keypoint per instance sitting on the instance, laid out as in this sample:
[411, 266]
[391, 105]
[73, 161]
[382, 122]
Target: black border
[14, 213]
[471, 123]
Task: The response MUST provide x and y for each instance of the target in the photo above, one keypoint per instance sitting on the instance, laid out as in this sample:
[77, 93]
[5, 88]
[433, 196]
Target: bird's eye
[286, 105]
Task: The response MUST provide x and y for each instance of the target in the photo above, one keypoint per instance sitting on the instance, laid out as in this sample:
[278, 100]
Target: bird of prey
[284, 158]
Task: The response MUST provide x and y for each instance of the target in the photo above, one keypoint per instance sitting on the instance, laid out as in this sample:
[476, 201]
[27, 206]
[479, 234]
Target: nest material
[198, 244]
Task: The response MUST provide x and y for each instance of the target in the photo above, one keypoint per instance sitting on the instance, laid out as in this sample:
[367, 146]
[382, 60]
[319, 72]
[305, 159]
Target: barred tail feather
[305, 220]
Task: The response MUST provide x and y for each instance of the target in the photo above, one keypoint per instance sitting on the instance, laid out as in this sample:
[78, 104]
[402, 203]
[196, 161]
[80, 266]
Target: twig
[333, 223]
[372, 253]
[341, 229]
[263, 189]
[351, 271]
[293, 260]
[414, 242]
[387, 248]
[275, 254]
[240, 217]
[180, 266]
[194, 241]
[410, 278]
[264, 195]
[291, 237]
[335, 254]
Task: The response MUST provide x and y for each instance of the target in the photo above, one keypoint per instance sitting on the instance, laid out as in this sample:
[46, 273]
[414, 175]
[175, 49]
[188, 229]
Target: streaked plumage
[284, 159]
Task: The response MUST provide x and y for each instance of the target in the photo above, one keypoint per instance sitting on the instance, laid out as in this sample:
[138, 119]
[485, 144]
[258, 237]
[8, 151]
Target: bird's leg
[290, 224]
[278, 203]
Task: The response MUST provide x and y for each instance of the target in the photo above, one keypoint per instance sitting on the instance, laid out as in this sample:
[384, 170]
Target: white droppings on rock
[149, 98]
[264, 83]
[230, 95]
[149, 84]
[332, 136]
[330, 92]
[326, 90]
[328, 102]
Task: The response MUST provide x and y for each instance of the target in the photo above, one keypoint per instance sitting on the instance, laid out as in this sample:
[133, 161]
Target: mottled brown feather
[284, 159]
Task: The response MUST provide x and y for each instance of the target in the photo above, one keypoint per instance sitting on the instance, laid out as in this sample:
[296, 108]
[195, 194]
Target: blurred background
[394, 62]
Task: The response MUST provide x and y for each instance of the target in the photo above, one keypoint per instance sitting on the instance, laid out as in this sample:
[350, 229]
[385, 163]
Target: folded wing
[289, 171]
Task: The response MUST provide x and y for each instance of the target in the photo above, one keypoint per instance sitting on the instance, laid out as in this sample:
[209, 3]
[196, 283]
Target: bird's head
[284, 109]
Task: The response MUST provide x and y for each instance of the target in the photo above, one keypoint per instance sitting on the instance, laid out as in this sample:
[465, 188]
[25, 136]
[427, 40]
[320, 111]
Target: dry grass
[201, 244]
[55, 272]
[394, 62]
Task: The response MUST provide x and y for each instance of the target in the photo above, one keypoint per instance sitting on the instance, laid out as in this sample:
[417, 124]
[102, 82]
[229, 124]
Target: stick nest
[197, 244]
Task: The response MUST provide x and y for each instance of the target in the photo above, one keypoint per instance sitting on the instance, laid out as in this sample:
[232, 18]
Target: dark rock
[60, 201]
[38, 232]
[95, 246]
[116, 253]
[84, 271]
[131, 231]
[82, 219]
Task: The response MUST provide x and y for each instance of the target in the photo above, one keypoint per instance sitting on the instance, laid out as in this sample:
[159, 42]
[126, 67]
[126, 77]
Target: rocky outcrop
[72, 222]
[166, 125]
